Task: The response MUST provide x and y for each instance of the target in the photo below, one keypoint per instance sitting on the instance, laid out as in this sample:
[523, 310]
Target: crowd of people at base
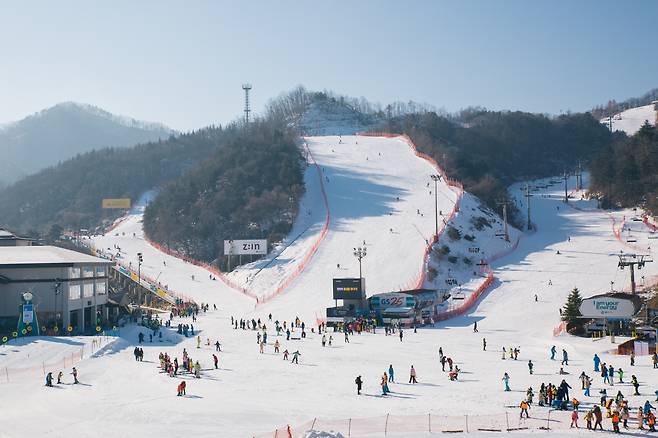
[616, 408]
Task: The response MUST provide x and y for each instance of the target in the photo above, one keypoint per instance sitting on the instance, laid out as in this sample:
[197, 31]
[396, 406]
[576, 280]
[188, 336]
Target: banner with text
[245, 247]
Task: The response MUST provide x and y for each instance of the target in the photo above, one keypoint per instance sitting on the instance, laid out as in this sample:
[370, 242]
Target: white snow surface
[631, 120]
[252, 393]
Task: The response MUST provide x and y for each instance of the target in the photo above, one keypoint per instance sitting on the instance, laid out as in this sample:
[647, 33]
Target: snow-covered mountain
[64, 130]
[631, 120]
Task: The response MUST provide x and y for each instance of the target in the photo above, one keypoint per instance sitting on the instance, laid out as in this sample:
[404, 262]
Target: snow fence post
[349, 428]
[313, 425]
[7, 373]
[507, 420]
[548, 420]
[386, 425]
[429, 423]
[466, 417]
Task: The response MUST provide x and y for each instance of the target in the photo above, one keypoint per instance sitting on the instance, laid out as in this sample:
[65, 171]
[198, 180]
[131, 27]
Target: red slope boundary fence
[260, 300]
[418, 281]
[458, 188]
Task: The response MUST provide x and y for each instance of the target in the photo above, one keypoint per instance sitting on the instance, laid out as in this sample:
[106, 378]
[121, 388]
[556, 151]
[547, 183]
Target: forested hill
[488, 151]
[70, 193]
[60, 132]
[613, 107]
[625, 173]
[249, 187]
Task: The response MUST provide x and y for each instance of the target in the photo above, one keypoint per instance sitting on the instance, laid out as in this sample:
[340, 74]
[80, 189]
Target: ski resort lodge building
[69, 288]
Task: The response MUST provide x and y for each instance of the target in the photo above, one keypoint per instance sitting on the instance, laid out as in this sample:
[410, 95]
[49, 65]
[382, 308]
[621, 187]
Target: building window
[100, 271]
[101, 288]
[88, 290]
[74, 272]
[74, 291]
[88, 271]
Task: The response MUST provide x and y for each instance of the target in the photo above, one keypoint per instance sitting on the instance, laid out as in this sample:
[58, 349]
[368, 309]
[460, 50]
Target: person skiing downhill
[506, 380]
[75, 376]
[553, 352]
[391, 374]
[530, 366]
[295, 357]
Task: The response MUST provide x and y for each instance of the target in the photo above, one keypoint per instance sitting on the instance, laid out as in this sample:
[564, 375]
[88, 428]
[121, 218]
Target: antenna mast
[247, 107]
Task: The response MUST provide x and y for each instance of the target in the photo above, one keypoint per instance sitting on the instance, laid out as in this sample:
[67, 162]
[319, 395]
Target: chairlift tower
[633, 260]
[505, 234]
[527, 200]
[247, 108]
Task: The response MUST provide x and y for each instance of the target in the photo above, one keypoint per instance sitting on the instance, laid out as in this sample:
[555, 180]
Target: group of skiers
[616, 408]
[172, 367]
[60, 375]
[453, 369]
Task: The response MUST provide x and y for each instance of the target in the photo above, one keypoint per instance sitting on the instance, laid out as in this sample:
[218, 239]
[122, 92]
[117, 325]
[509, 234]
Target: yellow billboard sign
[116, 203]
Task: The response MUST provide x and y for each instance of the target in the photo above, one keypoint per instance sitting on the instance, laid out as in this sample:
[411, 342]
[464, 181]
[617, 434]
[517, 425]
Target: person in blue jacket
[391, 375]
[597, 361]
[647, 407]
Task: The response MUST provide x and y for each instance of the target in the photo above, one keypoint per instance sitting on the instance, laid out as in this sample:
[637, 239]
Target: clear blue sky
[182, 63]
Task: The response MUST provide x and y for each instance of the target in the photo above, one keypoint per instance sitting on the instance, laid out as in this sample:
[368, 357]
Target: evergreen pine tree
[571, 310]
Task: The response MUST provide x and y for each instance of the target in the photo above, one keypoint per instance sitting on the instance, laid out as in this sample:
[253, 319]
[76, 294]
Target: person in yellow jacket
[575, 403]
[524, 409]
[588, 418]
[608, 408]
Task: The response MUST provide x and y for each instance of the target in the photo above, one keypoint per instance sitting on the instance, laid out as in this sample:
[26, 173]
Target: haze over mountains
[63, 131]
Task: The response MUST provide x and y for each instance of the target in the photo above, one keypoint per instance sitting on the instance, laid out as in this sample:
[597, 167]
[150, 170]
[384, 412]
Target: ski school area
[257, 356]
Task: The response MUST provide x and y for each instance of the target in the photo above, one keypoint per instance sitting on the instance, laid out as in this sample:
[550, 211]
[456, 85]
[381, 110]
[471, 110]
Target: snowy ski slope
[253, 393]
[631, 120]
[374, 188]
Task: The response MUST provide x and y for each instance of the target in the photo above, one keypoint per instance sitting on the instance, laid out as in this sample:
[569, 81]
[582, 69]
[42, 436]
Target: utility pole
[527, 201]
[566, 195]
[140, 259]
[505, 230]
[632, 260]
[436, 179]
